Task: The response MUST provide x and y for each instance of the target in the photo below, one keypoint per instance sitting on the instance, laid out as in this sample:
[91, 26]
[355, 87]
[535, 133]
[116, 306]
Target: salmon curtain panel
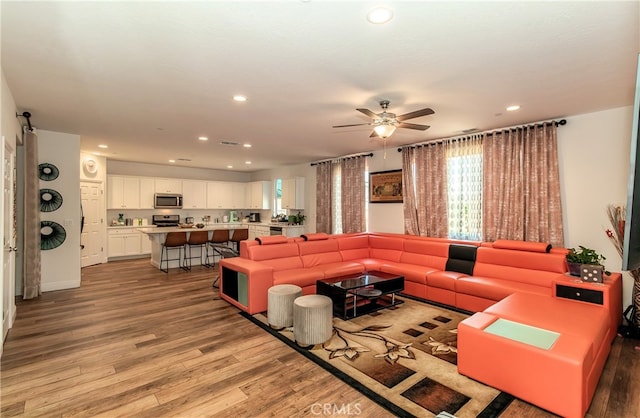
[424, 178]
[323, 197]
[354, 199]
[521, 185]
[31, 243]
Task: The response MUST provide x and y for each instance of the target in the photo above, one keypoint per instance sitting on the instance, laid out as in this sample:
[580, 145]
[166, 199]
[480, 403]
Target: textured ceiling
[149, 78]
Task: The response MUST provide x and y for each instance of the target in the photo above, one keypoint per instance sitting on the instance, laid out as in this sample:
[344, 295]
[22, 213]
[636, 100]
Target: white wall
[127, 168]
[61, 266]
[593, 153]
[386, 217]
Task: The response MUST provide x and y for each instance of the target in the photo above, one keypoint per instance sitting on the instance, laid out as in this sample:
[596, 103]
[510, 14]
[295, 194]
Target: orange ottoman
[547, 351]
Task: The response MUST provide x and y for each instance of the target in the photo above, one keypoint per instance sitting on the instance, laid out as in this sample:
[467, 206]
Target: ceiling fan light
[384, 131]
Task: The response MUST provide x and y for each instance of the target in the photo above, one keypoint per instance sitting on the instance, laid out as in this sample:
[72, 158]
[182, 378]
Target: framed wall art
[385, 187]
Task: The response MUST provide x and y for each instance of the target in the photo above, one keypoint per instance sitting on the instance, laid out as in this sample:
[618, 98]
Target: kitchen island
[157, 236]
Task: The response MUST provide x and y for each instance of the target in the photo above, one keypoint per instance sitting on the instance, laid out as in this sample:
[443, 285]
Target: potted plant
[297, 219]
[583, 255]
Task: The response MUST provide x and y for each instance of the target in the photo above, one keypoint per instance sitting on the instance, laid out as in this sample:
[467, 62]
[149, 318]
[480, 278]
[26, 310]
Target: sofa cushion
[385, 248]
[271, 239]
[353, 247]
[300, 276]
[341, 268]
[266, 252]
[496, 289]
[314, 253]
[462, 258]
[425, 253]
[536, 247]
[411, 272]
[444, 279]
[315, 237]
[540, 269]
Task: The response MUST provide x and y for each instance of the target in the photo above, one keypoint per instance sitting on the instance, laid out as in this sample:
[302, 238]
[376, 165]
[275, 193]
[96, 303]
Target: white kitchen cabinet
[145, 243]
[262, 231]
[123, 242]
[258, 231]
[194, 194]
[147, 190]
[219, 195]
[293, 231]
[168, 186]
[293, 193]
[259, 195]
[239, 196]
[123, 192]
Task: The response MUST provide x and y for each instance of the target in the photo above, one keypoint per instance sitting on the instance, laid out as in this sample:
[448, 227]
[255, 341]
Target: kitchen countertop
[130, 226]
[163, 230]
[210, 227]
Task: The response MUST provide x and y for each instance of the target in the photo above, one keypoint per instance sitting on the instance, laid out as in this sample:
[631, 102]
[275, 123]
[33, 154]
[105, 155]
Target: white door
[8, 239]
[91, 239]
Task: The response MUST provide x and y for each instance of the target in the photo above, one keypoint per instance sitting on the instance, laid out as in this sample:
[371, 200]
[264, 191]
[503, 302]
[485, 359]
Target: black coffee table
[359, 294]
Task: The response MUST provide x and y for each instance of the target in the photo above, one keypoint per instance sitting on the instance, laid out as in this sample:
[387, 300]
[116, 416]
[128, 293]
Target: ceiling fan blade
[415, 114]
[354, 124]
[368, 113]
[413, 126]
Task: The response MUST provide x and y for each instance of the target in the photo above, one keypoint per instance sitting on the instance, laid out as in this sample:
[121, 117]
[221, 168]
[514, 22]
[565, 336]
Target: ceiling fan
[385, 123]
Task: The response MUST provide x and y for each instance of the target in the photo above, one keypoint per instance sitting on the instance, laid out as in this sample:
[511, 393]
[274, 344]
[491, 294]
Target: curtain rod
[346, 157]
[560, 122]
[27, 116]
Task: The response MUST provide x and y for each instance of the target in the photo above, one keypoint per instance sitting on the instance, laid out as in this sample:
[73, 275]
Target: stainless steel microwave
[167, 201]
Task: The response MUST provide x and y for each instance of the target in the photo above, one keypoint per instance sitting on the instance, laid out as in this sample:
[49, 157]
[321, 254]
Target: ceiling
[147, 79]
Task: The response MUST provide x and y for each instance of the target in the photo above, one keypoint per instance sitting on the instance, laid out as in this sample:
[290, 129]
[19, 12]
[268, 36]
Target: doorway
[92, 236]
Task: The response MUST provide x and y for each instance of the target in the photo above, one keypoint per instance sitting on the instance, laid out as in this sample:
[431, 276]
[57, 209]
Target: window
[277, 206]
[336, 198]
[464, 191]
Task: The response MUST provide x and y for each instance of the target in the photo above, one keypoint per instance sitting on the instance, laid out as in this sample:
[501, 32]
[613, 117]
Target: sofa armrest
[244, 283]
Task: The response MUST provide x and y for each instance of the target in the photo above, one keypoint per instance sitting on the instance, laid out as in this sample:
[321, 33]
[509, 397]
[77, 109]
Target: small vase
[574, 269]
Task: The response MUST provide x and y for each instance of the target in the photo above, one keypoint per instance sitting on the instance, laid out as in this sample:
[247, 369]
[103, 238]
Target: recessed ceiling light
[203, 138]
[240, 98]
[229, 166]
[379, 15]
[102, 146]
[512, 108]
[96, 153]
[172, 161]
[247, 162]
[247, 145]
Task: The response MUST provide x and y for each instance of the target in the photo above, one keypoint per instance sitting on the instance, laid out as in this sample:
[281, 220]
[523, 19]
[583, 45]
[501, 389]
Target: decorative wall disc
[50, 200]
[48, 172]
[52, 235]
[90, 166]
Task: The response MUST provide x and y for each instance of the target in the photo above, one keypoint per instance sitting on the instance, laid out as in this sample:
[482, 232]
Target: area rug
[403, 358]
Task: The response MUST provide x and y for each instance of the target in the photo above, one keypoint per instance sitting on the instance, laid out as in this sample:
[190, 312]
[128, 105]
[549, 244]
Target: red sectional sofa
[513, 281]
[467, 275]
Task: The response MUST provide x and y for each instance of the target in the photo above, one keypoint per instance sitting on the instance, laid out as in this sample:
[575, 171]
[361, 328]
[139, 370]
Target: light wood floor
[132, 341]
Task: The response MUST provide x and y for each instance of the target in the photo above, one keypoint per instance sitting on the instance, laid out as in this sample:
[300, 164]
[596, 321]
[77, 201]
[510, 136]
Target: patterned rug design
[404, 358]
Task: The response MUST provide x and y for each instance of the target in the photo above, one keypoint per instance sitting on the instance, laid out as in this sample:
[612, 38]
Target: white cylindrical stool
[312, 319]
[280, 304]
